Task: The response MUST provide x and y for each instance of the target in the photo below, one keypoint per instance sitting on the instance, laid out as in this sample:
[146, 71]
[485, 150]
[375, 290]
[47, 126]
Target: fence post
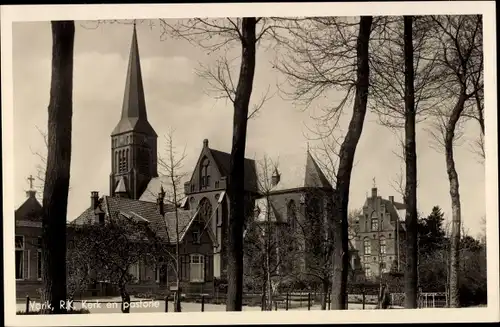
[275, 305]
[166, 303]
[27, 303]
[309, 301]
[329, 297]
[286, 302]
[363, 297]
[202, 303]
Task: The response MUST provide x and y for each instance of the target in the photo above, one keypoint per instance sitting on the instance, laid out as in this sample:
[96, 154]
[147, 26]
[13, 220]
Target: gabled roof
[121, 188]
[223, 164]
[31, 209]
[164, 226]
[134, 116]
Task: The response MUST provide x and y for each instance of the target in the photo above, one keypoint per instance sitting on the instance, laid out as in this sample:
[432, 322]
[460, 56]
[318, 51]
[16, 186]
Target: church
[136, 190]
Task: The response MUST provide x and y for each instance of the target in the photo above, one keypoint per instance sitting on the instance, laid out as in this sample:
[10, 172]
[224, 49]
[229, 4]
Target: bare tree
[460, 47]
[55, 192]
[172, 167]
[331, 54]
[269, 239]
[217, 35]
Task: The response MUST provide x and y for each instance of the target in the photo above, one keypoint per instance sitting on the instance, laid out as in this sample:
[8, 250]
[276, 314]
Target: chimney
[159, 201]
[391, 198]
[275, 179]
[205, 143]
[374, 192]
[94, 199]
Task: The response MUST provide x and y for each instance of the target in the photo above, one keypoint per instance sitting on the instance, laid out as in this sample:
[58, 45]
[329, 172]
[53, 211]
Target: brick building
[380, 231]
[28, 258]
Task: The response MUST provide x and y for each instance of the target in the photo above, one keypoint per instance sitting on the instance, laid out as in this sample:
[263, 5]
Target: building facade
[28, 259]
[380, 233]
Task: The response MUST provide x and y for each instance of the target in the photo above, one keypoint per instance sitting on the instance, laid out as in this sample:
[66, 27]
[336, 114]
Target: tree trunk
[56, 186]
[346, 158]
[324, 297]
[236, 187]
[411, 219]
[455, 201]
[125, 307]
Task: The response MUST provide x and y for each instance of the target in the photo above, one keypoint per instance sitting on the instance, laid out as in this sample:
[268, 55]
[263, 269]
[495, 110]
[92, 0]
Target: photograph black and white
[256, 160]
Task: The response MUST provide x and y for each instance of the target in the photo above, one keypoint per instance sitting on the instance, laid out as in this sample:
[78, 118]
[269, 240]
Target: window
[383, 267]
[134, 270]
[368, 271]
[205, 173]
[19, 240]
[205, 213]
[39, 265]
[39, 259]
[196, 237]
[216, 184]
[197, 268]
[292, 214]
[374, 224]
[367, 246]
[374, 259]
[383, 245]
[192, 187]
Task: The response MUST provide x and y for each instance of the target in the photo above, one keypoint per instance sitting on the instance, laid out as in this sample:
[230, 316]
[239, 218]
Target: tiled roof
[185, 217]
[164, 226]
[31, 209]
[223, 161]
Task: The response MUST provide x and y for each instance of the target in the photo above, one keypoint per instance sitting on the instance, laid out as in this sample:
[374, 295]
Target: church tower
[133, 141]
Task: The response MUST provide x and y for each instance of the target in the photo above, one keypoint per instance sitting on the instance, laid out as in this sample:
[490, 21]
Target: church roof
[31, 209]
[306, 175]
[223, 161]
[150, 194]
[134, 115]
[164, 226]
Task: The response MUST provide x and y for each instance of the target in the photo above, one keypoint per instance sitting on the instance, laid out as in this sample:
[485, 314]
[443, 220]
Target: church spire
[134, 116]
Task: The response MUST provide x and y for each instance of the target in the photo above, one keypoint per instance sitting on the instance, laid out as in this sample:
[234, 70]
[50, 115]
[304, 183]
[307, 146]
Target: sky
[177, 98]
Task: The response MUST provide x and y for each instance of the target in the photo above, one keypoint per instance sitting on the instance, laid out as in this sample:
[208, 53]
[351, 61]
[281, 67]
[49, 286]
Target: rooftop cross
[374, 182]
[31, 179]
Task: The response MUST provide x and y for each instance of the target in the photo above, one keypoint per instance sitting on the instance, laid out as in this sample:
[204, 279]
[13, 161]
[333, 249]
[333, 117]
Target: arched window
[127, 160]
[116, 164]
[383, 245]
[205, 173]
[205, 212]
[292, 214]
[367, 246]
[374, 222]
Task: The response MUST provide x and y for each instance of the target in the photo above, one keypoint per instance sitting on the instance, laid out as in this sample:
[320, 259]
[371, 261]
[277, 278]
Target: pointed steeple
[314, 176]
[134, 115]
